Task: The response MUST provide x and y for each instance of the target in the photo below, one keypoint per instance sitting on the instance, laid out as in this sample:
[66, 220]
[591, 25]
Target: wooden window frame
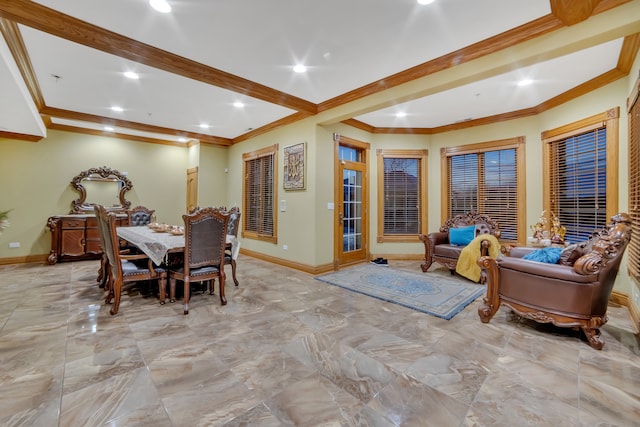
[272, 151]
[421, 156]
[608, 119]
[517, 143]
[633, 250]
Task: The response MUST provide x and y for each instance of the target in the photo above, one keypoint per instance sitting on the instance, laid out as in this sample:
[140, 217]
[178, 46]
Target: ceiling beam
[42, 18]
[20, 136]
[91, 118]
[12, 36]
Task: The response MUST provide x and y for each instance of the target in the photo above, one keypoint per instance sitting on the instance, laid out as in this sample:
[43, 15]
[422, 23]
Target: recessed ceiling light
[425, 1]
[204, 126]
[108, 129]
[525, 82]
[238, 104]
[300, 68]
[117, 109]
[401, 114]
[131, 75]
[181, 139]
[160, 5]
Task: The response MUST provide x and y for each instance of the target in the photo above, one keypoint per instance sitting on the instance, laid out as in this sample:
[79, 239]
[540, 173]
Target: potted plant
[4, 220]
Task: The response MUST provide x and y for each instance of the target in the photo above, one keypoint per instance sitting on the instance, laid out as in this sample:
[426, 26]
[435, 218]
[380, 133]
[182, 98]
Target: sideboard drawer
[68, 223]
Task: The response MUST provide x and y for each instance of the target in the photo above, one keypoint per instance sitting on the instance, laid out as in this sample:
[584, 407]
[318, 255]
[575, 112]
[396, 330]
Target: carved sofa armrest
[438, 237]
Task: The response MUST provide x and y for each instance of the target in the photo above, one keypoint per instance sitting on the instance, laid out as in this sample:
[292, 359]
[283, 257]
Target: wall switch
[330, 206]
[285, 247]
[13, 245]
[283, 205]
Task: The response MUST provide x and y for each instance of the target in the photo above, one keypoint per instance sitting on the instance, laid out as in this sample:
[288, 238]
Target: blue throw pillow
[462, 236]
[548, 255]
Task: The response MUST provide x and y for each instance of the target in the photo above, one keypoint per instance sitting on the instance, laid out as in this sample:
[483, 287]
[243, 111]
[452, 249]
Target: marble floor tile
[290, 350]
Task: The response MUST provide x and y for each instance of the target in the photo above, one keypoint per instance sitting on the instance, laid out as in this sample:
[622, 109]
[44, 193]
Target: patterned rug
[430, 293]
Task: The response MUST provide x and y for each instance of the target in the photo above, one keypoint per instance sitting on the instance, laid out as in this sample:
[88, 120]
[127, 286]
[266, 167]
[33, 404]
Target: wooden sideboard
[76, 237]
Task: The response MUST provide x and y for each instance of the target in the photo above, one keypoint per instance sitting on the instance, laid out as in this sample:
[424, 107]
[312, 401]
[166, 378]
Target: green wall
[35, 181]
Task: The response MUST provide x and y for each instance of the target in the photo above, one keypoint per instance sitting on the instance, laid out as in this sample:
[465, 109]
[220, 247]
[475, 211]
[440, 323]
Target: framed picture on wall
[294, 167]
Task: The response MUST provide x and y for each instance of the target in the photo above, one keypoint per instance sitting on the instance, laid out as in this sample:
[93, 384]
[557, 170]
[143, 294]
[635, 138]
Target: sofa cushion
[462, 236]
[548, 255]
[570, 254]
[447, 251]
[482, 228]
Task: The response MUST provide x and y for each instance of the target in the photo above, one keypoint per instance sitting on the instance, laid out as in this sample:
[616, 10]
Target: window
[402, 194]
[489, 179]
[259, 194]
[580, 166]
[633, 249]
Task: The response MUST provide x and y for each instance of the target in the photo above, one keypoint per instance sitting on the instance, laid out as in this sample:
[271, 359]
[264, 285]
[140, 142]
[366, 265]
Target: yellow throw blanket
[467, 265]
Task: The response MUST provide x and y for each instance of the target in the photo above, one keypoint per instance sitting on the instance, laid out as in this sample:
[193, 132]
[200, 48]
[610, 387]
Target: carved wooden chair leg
[162, 290]
[172, 290]
[109, 289]
[187, 294]
[223, 299]
[102, 272]
[233, 271]
[116, 292]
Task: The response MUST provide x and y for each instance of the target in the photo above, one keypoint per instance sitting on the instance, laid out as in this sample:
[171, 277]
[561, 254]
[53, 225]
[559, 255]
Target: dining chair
[205, 242]
[124, 268]
[232, 231]
[140, 215]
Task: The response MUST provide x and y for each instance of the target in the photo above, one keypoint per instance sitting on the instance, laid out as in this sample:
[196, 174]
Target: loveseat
[572, 292]
[446, 245]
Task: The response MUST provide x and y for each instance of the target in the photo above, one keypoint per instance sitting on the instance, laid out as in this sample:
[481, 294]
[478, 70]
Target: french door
[351, 229]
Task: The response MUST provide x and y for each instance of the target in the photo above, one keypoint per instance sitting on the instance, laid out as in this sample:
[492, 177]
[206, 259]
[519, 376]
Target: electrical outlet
[285, 247]
[14, 245]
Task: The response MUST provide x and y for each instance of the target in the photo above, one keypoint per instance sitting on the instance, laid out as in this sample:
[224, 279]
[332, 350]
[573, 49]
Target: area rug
[431, 293]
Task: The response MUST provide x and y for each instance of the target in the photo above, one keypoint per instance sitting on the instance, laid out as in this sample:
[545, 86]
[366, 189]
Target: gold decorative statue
[539, 227]
[557, 230]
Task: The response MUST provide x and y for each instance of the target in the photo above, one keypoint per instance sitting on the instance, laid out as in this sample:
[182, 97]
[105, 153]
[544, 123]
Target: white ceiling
[346, 44]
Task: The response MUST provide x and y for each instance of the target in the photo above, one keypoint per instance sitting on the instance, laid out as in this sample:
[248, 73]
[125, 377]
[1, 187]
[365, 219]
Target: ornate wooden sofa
[438, 248]
[566, 294]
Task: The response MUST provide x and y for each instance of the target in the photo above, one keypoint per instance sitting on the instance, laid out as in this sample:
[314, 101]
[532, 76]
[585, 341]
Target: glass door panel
[352, 212]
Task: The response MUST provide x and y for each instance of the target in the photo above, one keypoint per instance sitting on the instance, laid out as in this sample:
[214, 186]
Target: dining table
[157, 244]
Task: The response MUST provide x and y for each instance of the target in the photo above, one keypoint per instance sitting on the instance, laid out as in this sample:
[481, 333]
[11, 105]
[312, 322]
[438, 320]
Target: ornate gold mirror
[100, 186]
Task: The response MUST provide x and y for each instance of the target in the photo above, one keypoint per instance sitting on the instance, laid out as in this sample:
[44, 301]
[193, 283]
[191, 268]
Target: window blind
[499, 193]
[487, 183]
[259, 195]
[402, 196]
[463, 183]
[633, 249]
[578, 183]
